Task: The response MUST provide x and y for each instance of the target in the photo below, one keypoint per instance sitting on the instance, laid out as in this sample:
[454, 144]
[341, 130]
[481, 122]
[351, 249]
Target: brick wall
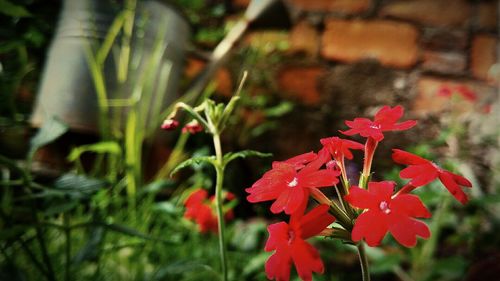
[422, 44]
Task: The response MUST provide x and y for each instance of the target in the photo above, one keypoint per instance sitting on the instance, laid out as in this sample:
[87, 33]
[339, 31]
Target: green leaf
[182, 266]
[243, 154]
[110, 147]
[133, 232]
[9, 9]
[60, 207]
[52, 129]
[78, 186]
[193, 161]
[156, 186]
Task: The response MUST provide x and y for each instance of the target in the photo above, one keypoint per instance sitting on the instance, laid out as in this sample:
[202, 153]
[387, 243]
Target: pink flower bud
[170, 124]
[192, 127]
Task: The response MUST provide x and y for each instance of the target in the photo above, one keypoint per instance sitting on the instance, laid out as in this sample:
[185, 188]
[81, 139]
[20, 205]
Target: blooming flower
[288, 242]
[422, 171]
[199, 209]
[384, 213]
[385, 120]
[289, 187]
[340, 148]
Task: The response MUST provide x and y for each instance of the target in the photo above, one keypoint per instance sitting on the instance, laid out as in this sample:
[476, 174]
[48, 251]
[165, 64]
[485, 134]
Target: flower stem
[363, 260]
[219, 168]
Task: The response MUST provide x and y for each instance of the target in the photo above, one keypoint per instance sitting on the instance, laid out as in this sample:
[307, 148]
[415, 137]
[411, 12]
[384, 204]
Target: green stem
[426, 255]
[219, 167]
[363, 260]
[67, 233]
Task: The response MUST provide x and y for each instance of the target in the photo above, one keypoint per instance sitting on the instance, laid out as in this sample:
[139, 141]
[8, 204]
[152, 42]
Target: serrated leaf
[13, 10]
[52, 129]
[243, 154]
[193, 161]
[78, 185]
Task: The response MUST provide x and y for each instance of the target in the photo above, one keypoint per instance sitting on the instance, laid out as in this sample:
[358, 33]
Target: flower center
[291, 235]
[293, 183]
[384, 207]
[375, 126]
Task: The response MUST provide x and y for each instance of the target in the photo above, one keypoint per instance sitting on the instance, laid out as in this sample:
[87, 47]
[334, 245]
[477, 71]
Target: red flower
[288, 242]
[384, 213]
[289, 187]
[199, 209]
[170, 124]
[422, 171]
[385, 120]
[192, 127]
[463, 90]
[340, 148]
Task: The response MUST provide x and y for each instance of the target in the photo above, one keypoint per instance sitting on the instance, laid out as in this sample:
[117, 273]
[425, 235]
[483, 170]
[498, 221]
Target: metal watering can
[68, 90]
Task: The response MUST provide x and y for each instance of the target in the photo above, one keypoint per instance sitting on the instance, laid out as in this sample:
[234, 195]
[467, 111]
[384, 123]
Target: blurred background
[85, 84]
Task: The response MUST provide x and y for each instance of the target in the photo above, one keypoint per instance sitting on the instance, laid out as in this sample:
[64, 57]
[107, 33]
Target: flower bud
[170, 124]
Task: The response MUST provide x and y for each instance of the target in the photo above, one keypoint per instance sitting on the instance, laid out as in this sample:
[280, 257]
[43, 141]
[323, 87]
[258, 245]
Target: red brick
[301, 83]
[444, 62]
[487, 15]
[430, 12]
[428, 101]
[391, 43]
[483, 56]
[222, 76]
[304, 38]
[341, 6]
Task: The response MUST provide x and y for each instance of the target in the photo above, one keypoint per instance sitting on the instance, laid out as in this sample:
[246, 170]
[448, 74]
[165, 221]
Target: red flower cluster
[373, 206]
[199, 208]
[462, 90]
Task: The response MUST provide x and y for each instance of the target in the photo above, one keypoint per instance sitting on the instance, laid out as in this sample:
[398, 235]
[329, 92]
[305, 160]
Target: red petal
[315, 221]
[321, 178]
[409, 205]
[372, 226]
[448, 181]
[306, 260]
[382, 190]
[278, 265]
[402, 157]
[404, 125]
[196, 197]
[361, 198]
[289, 200]
[272, 183]
[299, 161]
[389, 115]
[420, 174]
[405, 230]
[278, 235]
[461, 180]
